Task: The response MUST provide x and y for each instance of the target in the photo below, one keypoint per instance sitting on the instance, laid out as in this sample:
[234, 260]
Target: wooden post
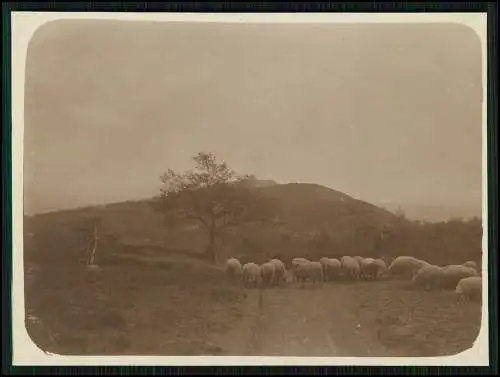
[94, 249]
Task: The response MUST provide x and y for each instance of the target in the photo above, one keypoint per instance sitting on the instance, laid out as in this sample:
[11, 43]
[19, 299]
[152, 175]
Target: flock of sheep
[464, 279]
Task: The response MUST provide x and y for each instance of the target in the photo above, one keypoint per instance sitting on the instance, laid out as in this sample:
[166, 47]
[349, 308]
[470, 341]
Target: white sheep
[233, 268]
[469, 288]
[358, 258]
[470, 264]
[429, 277]
[251, 274]
[374, 268]
[350, 267]
[454, 273]
[324, 261]
[382, 267]
[364, 265]
[312, 271]
[297, 261]
[332, 268]
[344, 258]
[334, 262]
[405, 266]
[267, 271]
[280, 271]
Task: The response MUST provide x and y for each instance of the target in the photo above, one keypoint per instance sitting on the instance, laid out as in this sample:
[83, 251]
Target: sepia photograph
[253, 189]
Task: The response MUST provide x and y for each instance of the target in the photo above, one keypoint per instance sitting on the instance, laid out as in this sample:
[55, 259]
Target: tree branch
[228, 224]
[190, 214]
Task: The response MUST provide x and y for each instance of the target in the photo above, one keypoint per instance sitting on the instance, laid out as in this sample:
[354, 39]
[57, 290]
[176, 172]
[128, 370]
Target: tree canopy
[214, 195]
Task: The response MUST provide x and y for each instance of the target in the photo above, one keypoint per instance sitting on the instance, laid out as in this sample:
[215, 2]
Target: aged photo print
[233, 186]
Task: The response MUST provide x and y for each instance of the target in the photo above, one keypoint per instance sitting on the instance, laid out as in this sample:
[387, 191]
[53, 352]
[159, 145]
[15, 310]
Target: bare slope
[308, 207]
[308, 210]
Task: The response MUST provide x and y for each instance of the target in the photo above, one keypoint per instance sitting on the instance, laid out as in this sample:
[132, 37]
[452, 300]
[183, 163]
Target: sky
[381, 112]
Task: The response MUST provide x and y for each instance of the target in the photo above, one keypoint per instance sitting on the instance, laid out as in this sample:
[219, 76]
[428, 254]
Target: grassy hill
[307, 209]
[314, 221]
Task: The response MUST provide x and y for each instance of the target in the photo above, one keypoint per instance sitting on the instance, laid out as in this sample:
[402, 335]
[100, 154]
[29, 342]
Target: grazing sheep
[267, 272]
[364, 264]
[280, 271]
[358, 258]
[334, 262]
[405, 266]
[332, 268]
[372, 268]
[324, 262]
[388, 261]
[470, 264]
[382, 267]
[345, 257]
[350, 267]
[233, 268]
[470, 288]
[454, 273]
[371, 271]
[297, 261]
[312, 271]
[327, 264]
[316, 272]
[251, 275]
[429, 277]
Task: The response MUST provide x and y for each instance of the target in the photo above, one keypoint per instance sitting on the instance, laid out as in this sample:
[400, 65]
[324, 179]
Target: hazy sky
[380, 112]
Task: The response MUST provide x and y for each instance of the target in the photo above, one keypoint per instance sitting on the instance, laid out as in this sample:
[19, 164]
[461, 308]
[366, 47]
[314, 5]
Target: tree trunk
[211, 251]
[212, 248]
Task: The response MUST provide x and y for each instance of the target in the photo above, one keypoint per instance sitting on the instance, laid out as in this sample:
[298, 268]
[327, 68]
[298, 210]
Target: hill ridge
[262, 185]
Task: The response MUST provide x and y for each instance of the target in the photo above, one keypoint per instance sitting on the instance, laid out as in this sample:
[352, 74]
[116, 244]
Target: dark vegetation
[315, 221]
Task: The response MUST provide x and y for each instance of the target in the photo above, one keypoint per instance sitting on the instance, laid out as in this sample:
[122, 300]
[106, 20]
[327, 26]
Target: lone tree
[215, 196]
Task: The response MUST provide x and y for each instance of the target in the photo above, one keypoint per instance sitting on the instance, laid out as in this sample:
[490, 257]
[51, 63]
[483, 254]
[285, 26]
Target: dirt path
[293, 321]
[290, 321]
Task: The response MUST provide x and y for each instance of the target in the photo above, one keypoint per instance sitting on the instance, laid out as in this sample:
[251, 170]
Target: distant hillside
[308, 207]
[309, 212]
[434, 213]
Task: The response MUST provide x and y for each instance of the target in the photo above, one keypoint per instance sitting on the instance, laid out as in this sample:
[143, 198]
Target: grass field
[136, 307]
[412, 322]
[182, 306]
